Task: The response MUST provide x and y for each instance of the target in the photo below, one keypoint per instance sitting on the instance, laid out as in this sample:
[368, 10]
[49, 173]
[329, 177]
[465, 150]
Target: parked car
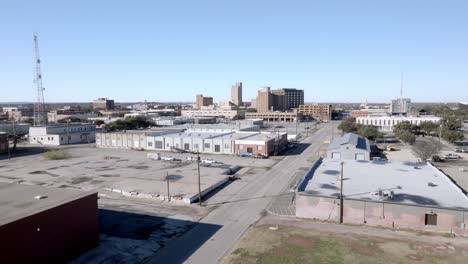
[191, 158]
[244, 154]
[461, 150]
[437, 158]
[452, 156]
[259, 156]
[208, 161]
[391, 148]
[168, 158]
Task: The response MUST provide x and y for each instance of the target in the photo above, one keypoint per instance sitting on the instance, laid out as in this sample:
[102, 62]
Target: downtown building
[236, 94]
[320, 112]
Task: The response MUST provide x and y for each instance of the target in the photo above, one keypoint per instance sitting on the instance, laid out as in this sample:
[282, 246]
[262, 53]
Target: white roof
[424, 185]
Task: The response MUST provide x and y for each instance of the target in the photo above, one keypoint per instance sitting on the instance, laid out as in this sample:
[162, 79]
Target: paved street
[218, 232]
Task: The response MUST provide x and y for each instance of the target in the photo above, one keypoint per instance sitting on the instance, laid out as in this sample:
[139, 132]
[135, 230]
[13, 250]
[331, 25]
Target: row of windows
[386, 122]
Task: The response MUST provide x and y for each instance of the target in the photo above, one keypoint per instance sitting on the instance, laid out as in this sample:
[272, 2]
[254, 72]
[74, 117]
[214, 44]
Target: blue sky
[337, 51]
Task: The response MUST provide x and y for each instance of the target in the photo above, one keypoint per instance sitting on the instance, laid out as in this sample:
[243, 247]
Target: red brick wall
[64, 232]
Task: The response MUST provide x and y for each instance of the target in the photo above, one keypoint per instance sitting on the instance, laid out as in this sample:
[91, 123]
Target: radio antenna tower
[39, 107]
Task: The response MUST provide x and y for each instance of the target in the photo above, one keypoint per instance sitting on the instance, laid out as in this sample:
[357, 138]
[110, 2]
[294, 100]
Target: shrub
[55, 155]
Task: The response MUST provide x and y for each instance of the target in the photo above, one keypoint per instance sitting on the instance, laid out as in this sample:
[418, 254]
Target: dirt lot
[301, 241]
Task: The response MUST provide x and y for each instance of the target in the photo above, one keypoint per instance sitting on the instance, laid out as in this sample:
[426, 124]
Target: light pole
[168, 194]
[199, 179]
[341, 194]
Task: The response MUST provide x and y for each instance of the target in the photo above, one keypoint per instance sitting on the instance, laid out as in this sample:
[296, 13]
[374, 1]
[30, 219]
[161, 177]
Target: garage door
[336, 155]
[360, 156]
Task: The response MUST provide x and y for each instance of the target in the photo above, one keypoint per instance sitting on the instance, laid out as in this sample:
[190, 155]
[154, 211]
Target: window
[431, 219]
[186, 146]
[259, 147]
[158, 144]
[226, 146]
[207, 145]
[217, 148]
[150, 144]
[195, 146]
[241, 146]
[167, 145]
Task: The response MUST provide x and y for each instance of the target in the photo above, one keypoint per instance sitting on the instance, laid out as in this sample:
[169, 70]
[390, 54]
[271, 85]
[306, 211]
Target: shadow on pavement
[22, 151]
[297, 150]
[168, 237]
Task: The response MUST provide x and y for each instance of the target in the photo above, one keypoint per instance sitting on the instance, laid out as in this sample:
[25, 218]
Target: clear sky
[169, 50]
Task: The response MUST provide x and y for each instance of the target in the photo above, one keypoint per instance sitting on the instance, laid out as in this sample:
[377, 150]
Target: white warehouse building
[63, 134]
[386, 123]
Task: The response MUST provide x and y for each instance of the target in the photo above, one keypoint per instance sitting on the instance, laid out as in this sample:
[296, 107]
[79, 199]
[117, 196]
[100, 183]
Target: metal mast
[39, 107]
[401, 94]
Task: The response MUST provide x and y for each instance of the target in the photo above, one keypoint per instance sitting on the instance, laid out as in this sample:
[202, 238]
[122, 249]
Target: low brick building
[388, 194]
[46, 225]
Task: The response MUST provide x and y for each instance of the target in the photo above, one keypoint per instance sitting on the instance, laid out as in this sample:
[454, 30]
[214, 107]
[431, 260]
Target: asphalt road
[219, 231]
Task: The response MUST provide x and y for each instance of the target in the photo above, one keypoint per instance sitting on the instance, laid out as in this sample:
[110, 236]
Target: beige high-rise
[236, 94]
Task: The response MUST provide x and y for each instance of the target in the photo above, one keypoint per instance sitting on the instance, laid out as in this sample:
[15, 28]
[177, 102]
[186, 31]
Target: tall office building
[236, 94]
[263, 101]
[287, 98]
[401, 106]
[203, 101]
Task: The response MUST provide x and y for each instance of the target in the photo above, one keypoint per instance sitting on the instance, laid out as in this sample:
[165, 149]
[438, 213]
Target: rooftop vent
[40, 197]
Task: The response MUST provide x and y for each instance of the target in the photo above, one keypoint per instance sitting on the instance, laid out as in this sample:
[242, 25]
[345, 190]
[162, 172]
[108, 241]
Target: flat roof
[17, 200]
[421, 185]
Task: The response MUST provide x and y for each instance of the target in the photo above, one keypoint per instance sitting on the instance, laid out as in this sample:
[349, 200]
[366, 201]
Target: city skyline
[335, 51]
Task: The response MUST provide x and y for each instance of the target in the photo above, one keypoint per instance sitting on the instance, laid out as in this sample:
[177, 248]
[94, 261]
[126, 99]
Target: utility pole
[167, 179]
[199, 179]
[341, 194]
[39, 107]
[440, 132]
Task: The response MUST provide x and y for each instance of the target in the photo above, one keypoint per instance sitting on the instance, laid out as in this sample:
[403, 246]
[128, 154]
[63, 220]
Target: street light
[199, 179]
[341, 194]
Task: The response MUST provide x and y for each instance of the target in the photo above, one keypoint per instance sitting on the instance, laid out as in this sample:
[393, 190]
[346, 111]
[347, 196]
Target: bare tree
[425, 149]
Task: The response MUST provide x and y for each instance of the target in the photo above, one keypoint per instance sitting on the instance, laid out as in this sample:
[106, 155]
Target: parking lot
[457, 169]
[135, 217]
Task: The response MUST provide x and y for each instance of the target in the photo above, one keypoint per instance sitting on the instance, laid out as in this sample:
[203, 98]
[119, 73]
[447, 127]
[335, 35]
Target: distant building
[278, 100]
[62, 134]
[103, 104]
[213, 112]
[216, 139]
[386, 123]
[275, 116]
[286, 99]
[349, 147]
[3, 143]
[264, 102]
[463, 105]
[203, 101]
[45, 224]
[401, 106]
[396, 195]
[236, 94]
[18, 113]
[320, 112]
[172, 120]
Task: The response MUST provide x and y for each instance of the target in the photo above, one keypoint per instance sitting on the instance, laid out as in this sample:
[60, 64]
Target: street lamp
[341, 194]
[199, 179]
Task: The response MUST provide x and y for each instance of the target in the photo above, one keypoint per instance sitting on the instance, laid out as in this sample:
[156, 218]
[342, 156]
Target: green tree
[369, 132]
[451, 122]
[406, 137]
[348, 125]
[451, 135]
[429, 127]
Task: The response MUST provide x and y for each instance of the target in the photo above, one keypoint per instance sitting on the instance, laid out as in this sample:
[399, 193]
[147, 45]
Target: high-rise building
[263, 101]
[104, 104]
[401, 106]
[236, 94]
[203, 101]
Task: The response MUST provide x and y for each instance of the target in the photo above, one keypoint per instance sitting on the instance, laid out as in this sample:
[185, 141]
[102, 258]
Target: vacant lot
[292, 244]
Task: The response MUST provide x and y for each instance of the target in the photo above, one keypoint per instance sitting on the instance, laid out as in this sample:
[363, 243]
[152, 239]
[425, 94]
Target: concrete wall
[121, 140]
[52, 236]
[385, 214]
[62, 139]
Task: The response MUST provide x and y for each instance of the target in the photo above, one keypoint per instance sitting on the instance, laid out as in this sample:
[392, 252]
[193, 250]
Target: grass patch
[297, 245]
[55, 155]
